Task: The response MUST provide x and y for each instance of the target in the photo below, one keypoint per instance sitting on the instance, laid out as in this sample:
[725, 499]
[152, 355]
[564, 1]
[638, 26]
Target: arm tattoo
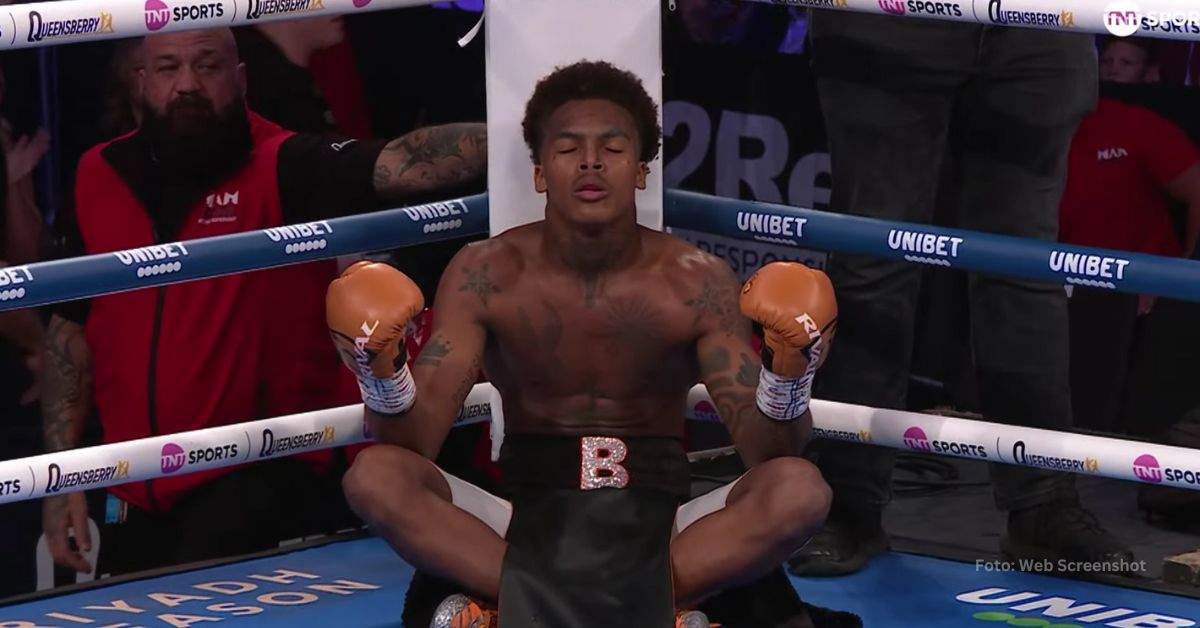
[432, 353]
[477, 281]
[66, 384]
[429, 158]
[719, 302]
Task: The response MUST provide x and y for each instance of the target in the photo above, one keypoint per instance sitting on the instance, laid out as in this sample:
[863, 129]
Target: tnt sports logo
[56, 480]
[173, 458]
[11, 280]
[915, 439]
[283, 444]
[151, 260]
[40, 29]
[301, 238]
[1147, 470]
[704, 411]
[1020, 456]
[256, 9]
[158, 14]
[1122, 17]
[436, 212]
[895, 7]
[361, 4]
[10, 487]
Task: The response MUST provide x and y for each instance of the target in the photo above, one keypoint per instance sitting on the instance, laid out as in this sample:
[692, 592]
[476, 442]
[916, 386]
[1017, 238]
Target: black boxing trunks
[590, 534]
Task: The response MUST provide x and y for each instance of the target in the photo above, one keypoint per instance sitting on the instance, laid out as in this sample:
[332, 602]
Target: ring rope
[38, 24]
[51, 23]
[1161, 19]
[1022, 258]
[212, 448]
[43, 283]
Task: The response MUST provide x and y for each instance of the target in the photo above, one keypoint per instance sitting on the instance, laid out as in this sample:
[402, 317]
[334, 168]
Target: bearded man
[224, 350]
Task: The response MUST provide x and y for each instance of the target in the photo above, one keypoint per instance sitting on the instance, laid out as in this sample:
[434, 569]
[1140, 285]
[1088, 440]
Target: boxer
[592, 329]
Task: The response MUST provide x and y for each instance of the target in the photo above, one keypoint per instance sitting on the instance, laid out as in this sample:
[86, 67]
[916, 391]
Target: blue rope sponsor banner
[95, 275]
[923, 244]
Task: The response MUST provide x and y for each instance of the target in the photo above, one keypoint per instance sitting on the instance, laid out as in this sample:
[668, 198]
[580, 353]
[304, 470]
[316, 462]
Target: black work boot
[849, 540]
[1061, 535]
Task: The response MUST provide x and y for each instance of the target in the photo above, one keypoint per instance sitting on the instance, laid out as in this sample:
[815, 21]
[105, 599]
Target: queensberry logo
[151, 260]
[10, 487]
[916, 440]
[57, 480]
[158, 14]
[919, 246]
[438, 212]
[11, 280]
[256, 9]
[303, 237]
[1021, 456]
[816, 4]
[42, 29]
[997, 14]
[854, 437]
[272, 445]
[1087, 269]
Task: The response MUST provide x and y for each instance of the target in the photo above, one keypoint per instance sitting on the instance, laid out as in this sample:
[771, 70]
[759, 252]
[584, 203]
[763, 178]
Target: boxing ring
[358, 580]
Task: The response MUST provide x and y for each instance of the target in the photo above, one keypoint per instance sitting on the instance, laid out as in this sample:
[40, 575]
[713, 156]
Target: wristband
[389, 395]
[784, 398]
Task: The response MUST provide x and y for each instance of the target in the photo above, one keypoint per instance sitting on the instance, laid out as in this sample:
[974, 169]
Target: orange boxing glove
[368, 310]
[797, 309]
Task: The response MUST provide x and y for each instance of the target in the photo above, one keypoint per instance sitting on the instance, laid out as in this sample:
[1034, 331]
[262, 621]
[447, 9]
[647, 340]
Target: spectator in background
[222, 350]
[21, 336]
[280, 85]
[122, 111]
[902, 99]
[1128, 60]
[22, 218]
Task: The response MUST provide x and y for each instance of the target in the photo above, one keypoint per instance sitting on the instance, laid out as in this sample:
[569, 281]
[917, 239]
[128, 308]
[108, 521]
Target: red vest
[214, 352]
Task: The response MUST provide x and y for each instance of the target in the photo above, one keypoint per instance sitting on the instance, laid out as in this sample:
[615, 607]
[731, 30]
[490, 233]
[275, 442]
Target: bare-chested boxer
[592, 329]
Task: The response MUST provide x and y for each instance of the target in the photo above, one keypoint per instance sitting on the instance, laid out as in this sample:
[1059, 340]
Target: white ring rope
[212, 448]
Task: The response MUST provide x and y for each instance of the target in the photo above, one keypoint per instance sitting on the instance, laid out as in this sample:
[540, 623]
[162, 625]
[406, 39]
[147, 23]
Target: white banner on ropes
[1167, 19]
[527, 40]
[74, 21]
[161, 456]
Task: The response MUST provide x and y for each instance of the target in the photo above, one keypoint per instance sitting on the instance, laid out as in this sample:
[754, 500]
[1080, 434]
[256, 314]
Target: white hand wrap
[392, 395]
[784, 398]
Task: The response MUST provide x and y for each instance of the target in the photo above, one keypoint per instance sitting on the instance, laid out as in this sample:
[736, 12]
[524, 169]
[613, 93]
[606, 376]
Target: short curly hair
[592, 80]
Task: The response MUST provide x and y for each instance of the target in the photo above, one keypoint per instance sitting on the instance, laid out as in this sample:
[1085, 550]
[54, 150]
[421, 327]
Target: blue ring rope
[96, 275]
[923, 244]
